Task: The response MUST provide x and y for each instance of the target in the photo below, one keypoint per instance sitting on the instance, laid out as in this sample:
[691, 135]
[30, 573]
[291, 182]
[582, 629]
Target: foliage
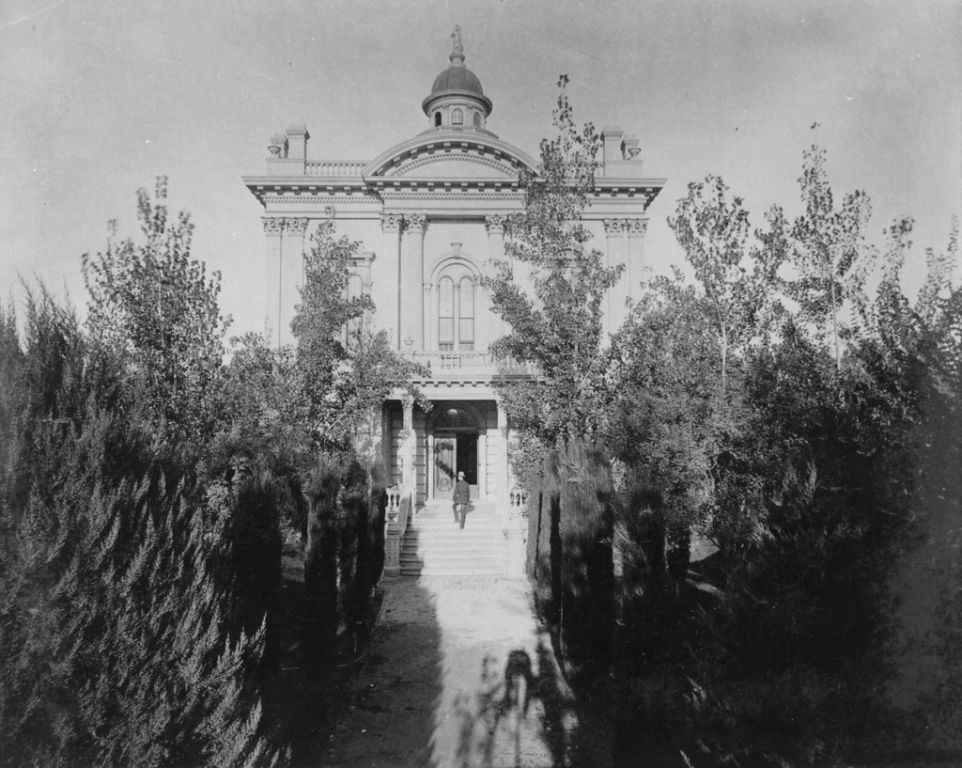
[111, 617]
[828, 249]
[664, 423]
[156, 306]
[569, 548]
[344, 369]
[737, 279]
[550, 289]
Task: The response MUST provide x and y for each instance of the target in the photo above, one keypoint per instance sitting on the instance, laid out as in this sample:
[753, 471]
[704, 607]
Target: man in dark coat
[462, 495]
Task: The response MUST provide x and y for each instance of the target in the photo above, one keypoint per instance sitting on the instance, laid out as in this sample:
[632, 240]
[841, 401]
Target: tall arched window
[437, 119]
[477, 119]
[457, 117]
[456, 309]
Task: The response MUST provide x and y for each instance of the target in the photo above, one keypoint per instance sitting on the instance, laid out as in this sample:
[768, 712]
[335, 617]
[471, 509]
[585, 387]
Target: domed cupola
[457, 100]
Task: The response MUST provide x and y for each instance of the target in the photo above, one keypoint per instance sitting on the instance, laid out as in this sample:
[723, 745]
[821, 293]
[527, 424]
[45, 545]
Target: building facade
[431, 213]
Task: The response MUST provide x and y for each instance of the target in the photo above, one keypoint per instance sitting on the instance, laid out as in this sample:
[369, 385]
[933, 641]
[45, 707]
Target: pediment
[453, 166]
[450, 158]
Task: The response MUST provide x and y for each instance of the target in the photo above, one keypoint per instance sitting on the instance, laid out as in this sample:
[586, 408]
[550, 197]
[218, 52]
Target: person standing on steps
[462, 495]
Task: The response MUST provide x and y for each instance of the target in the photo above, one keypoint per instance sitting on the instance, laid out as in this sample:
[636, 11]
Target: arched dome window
[437, 119]
[457, 117]
[477, 119]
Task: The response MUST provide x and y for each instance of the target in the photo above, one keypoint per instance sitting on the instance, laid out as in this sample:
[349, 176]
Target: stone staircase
[434, 545]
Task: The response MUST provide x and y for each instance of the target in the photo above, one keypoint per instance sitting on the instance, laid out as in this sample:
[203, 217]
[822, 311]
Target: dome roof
[457, 78]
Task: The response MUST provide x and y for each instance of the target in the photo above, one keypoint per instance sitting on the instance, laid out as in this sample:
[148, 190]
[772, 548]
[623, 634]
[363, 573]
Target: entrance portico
[425, 448]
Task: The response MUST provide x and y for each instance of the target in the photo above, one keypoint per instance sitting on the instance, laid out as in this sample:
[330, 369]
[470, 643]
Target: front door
[455, 453]
[445, 465]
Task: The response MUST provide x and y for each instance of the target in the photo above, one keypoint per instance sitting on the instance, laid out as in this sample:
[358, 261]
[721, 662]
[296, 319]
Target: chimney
[297, 137]
[611, 145]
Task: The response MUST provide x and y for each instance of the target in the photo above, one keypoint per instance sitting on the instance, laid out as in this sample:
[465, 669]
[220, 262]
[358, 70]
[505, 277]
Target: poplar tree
[550, 289]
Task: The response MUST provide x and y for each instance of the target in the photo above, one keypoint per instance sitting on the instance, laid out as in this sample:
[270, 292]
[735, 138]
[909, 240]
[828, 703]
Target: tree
[829, 250]
[736, 276]
[111, 620]
[555, 316]
[344, 368]
[157, 305]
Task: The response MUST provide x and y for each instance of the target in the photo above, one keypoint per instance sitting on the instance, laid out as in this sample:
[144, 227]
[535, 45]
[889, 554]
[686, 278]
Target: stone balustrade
[334, 168]
[484, 363]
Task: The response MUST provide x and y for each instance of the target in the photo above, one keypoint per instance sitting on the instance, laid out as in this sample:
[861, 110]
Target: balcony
[443, 366]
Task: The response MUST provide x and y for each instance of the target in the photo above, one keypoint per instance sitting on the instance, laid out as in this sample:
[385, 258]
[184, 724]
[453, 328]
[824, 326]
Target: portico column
[292, 274]
[636, 255]
[503, 491]
[408, 445]
[412, 269]
[616, 252]
[390, 230]
[273, 278]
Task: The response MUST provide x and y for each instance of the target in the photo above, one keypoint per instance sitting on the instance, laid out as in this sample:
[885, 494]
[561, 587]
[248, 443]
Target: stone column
[482, 459]
[636, 255]
[273, 278]
[292, 274]
[408, 446]
[390, 230]
[412, 282]
[504, 480]
[616, 252]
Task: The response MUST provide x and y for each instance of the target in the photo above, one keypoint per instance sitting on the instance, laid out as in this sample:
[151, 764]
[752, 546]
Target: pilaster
[637, 228]
[412, 282]
[292, 274]
[273, 278]
[391, 240]
[616, 252]
[494, 226]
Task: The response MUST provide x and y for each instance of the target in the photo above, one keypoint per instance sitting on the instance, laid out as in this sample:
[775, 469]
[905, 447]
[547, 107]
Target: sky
[98, 97]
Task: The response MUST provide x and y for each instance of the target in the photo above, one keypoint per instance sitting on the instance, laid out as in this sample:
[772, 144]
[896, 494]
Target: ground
[431, 691]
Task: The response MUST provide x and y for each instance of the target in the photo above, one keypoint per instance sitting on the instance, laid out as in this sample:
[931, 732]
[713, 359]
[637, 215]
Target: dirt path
[431, 690]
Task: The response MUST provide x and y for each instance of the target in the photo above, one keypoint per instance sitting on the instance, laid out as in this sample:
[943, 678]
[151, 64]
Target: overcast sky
[97, 97]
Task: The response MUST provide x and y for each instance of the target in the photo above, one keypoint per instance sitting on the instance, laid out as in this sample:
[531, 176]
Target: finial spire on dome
[457, 49]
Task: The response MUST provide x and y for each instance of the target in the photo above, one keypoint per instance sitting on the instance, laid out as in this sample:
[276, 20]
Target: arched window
[457, 117]
[466, 313]
[437, 119]
[477, 119]
[456, 309]
[446, 314]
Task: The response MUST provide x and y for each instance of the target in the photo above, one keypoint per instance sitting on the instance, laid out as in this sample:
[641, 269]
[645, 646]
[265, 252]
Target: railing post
[393, 534]
[517, 530]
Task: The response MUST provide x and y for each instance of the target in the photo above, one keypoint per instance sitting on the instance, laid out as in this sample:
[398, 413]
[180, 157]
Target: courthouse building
[430, 213]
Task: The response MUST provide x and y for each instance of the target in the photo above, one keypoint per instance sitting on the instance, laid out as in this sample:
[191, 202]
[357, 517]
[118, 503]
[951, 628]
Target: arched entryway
[454, 430]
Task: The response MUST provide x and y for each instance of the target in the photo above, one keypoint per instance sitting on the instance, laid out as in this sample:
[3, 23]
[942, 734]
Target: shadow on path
[522, 716]
[458, 674]
[387, 705]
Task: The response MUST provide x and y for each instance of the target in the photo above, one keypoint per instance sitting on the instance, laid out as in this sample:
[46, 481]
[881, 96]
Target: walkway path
[431, 690]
